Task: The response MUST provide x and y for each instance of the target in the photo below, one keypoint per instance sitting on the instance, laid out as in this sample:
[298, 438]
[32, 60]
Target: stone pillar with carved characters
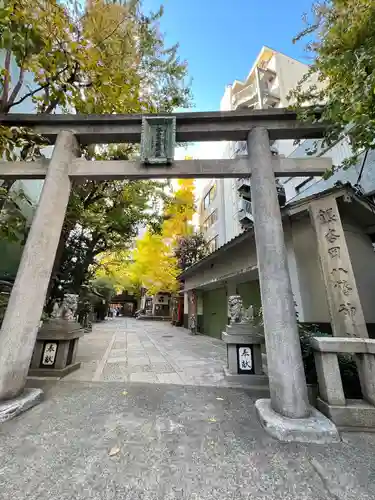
[347, 318]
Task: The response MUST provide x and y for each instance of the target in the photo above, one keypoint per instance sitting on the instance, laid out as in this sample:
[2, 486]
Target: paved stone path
[182, 435]
[136, 441]
[129, 350]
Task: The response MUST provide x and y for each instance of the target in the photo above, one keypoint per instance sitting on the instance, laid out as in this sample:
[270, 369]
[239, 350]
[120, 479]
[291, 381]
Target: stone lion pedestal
[244, 339]
[57, 342]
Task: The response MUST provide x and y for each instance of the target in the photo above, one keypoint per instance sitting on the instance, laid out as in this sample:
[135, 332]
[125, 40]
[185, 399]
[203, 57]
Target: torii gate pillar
[22, 317]
[287, 415]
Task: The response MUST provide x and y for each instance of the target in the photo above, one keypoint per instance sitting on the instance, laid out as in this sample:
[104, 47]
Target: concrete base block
[255, 380]
[355, 414]
[53, 372]
[315, 429]
[26, 400]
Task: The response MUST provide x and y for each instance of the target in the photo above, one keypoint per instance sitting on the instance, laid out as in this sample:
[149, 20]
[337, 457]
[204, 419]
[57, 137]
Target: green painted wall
[214, 312]
[250, 293]
[10, 258]
[215, 308]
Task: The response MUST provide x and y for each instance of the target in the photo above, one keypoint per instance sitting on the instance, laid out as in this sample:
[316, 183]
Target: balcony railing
[245, 214]
[245, 95]
[243, 187]
[246, 206]
[270, 90]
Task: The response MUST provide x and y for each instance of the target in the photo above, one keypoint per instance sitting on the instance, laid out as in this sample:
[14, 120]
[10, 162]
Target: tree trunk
[67, 228]
[81, 275]
[50, 297]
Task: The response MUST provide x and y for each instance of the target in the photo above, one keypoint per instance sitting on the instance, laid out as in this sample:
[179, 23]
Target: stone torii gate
[288, 407]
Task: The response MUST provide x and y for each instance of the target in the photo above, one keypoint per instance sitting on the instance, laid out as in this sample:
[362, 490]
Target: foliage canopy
[154, 263]
[108, 58]
[340, 37]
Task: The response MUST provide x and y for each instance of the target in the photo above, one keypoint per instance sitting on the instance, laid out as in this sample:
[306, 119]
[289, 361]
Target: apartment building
[225, 210]
[271, 78]
[208, 210]
[268, 84]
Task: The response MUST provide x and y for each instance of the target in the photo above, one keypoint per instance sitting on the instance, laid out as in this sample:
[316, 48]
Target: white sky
[200, 151]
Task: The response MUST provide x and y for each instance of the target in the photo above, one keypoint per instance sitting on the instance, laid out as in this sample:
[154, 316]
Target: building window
[209, 198]
[213, 244]
[206, 201]
[211, 219]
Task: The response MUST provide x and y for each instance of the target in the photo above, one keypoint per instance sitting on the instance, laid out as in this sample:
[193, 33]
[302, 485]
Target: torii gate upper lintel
[213, 126]
[190, 127]
[286, 375]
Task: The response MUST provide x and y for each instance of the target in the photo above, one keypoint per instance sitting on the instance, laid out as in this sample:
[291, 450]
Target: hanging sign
[158, 139]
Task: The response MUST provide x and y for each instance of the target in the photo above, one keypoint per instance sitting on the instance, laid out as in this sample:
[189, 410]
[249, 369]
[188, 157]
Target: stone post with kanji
[347, 318]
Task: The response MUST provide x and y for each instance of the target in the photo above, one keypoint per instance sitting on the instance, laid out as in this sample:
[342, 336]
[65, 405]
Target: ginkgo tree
[88, 57]
[153, 263]
[104, 59]
[109, 57]
[179, 211]
[114, 266]
[340, 39]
